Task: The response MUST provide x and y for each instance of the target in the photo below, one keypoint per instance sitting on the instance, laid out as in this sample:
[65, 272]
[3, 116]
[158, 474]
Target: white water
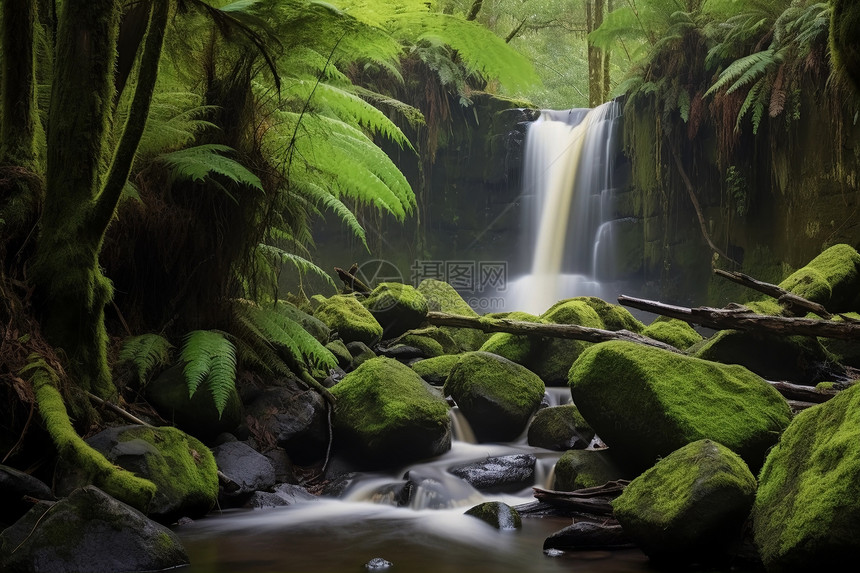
[568, 172]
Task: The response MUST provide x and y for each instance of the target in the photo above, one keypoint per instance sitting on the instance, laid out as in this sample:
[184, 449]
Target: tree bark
[19, 115]
[573, 331]
[594, 18]
[742, 318]
[791, 302]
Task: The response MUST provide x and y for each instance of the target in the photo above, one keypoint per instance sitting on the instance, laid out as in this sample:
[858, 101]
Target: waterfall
[568, 187]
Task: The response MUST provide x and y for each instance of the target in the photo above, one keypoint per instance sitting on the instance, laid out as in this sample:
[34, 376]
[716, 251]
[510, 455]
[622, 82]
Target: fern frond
[303, 265]
[745, 70]
[336, 206]
[209, 358]
[145, 352]
[199, 163]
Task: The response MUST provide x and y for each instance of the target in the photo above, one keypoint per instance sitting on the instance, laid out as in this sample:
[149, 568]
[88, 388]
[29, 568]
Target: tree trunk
[19, 114]
[594, 18]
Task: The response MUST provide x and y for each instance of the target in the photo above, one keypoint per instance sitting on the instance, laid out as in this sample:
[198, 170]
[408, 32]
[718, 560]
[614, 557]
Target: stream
[432, 534]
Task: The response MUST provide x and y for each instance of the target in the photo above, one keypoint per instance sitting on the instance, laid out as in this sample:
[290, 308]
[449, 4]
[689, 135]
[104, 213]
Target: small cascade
[461, 431]
[569, 188]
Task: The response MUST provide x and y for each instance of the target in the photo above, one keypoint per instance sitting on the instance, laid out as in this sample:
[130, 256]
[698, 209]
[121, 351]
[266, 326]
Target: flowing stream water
[570, 176]
[431, 534]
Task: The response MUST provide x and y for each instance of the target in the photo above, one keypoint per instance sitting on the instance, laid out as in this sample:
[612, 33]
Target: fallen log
[571, 331]
[351, 282]
[742, 318]
[592, 500]
[797, 305]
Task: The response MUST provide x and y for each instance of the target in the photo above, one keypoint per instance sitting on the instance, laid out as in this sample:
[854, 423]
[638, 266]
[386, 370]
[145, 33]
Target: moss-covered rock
[387, 415]
[436, 370]
[560, 428]
[444, 298]
[774, 357]
[553, 359]
[673, 331]
[313, 325]
[448, 344]
[806, 515]
[497, 396]
[832, 279]
[181, 467]
[499, 515]
[360, 352]
[645, 403]
[341, 352]
[197, 415]
[690, 506]
[578, 469]
[515, 347]
[397, 307]
[427, 347]
[346, 315]
[612, 316]
[88, 531]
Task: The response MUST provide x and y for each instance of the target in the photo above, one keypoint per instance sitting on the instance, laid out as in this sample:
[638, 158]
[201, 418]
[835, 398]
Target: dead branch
[742, 318]
[594, 500]
[350, 281]
[793, 303]
[570, 331]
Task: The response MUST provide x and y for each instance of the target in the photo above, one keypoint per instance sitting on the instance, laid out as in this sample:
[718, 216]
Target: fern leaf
[300, 263]
[146, 352]
[199, 163]
[336, 206]
[211, 358]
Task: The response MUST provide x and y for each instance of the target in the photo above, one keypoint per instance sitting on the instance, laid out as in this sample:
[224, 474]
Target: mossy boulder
[397, 307]
[497, 396]
[360, 353]
[690, 506]
[387, 415]
[832, 279]
[346, 315]
[516, 347]
[88, 531]
[773, 357]
[806, 515]
[443, 297]
[341, 353]
[446, 343]
[310, 323]
[672, 331]
[578, 469]
[612, 316]
[197, 415]
[560, 428]
[499, 515]
[436, 370]
[553, 359]
[645, 403]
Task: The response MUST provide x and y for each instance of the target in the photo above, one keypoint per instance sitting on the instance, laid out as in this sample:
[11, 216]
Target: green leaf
[146, 352]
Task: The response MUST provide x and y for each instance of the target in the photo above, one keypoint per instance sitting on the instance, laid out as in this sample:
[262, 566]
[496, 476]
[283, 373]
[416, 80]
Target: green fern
[199, 163]
[301, 264]
[145, 352]
[210, 360]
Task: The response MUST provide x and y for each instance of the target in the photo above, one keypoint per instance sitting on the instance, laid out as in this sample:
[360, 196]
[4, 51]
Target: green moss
[341, 352]
[645, 402]
[496, 395]
[397, 307]
[579, 469]
[612, 316]
[350, 319]
[690, 504]
[512, 346]
[560, 428]
[435, 370]
[832, 279]
[386, 413]
[846, 352]
[499, 515]
[673, 331]
[553, 359]
[444, 298]
[808, 504]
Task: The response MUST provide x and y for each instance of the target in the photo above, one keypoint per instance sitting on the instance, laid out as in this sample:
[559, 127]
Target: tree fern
[301, 264]
[210, 360]
[145, 353]
[201, 162]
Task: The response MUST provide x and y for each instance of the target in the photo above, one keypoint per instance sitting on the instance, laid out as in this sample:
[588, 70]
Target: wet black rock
[499, 515]
[88, 531]
[295, 419]
[586, 536]
[282, 495]
[378, 564]
[503, 473]
[246, 467]
[14, 486]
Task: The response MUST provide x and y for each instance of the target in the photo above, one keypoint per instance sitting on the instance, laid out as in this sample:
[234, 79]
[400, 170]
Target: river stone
[397, 307]
[283, 495]
[509, 473]
[588, 536]
[88, 531]
[432, 488]
[831, 279]
[690, 506]
[181, 467]
[806, 515]
[443, 297]
[497, 396]
[553, 359]
[579, 469]
[341, 352]
[297, 421]
[360, 352]
[246, 467]
[378, 564]
[515, 347]
[613, 316]
[436, 370]
[346, 315]
[560, 428]
[386, 414]
[645, 403]
[14, 485]
[196, 415]
[499, 515]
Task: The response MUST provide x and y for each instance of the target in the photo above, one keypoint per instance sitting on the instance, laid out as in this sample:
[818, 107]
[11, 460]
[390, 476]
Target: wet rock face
[88, 531]
[14, 485]
[499, 474]
[250, 470]
[499, 515]
[295, 419]
[560, 428]
[497, 396]
[587, 536]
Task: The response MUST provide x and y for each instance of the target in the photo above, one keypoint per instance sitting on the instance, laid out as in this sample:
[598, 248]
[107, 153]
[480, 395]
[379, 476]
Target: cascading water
[569, 178]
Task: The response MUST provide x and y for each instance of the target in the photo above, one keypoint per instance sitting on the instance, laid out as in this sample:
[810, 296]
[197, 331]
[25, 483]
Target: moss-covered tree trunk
[83, 181]
[18, 87]
[594, 18]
